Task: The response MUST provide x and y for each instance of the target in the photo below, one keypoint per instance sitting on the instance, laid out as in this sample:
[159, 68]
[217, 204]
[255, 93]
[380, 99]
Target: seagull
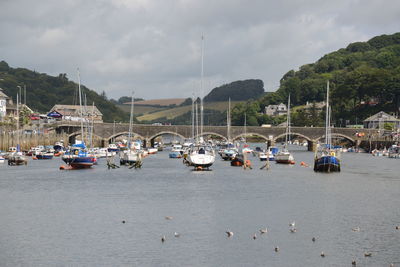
[168, 217]
[229, 233]
[367, 254]
[254, 236]
[263, 231]
[177, 234]
[276, 249]
[313, 239]
[322, 254]
[292, 224]
[293, 230]
[163, 238]
[356, 229]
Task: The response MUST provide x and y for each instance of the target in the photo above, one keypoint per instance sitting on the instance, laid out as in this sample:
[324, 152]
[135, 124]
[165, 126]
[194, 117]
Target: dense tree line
[44, 91]
[237, 91]
[364, 76]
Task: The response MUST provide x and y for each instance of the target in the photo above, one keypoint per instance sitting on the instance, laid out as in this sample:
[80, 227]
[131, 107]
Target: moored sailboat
[326, 159]
[284, 156]
[77, 157]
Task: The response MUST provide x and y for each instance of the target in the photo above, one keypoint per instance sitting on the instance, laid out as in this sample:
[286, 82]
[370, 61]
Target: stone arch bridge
[107, 131]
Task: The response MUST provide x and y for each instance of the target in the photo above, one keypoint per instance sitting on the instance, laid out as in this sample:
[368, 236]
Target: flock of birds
[292, 229]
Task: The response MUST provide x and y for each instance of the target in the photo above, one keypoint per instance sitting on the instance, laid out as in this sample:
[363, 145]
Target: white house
[276, 110]
[3, 104]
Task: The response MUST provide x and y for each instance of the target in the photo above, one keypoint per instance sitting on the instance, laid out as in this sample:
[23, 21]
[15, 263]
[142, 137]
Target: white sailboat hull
[201, 160]
[284, 157]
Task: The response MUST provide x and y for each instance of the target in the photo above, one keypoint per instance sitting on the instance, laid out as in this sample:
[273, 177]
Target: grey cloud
[153, 46]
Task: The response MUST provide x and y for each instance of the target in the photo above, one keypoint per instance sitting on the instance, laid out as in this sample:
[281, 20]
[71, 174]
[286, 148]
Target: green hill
[237, 91]
[44, 91]
[364, 76]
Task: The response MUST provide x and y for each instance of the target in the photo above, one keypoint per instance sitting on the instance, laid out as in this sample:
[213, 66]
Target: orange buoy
[34, 158]
[303, 164]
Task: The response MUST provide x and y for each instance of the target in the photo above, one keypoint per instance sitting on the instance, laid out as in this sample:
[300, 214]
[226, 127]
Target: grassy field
[140, 109]
[174, 112]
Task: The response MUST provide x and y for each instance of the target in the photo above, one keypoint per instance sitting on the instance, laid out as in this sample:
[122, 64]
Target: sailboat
[130, 155]
[228, 151]
[77, 156]
[16, 157]
[284, 156]
[201, 155]
[326, 159]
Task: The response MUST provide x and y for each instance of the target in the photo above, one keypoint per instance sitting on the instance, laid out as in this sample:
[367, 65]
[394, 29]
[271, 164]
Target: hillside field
[174, 112]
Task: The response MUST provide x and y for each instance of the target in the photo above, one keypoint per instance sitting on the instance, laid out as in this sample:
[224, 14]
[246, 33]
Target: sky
[153, 47]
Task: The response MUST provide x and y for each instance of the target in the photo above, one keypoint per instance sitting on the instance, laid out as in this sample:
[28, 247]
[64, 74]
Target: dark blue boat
[78, 158]
[327, 163]
[326, 159]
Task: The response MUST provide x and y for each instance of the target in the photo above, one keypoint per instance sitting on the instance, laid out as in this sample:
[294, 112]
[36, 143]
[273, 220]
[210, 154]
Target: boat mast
[130, 123]
[17, 124]
[91, 129]
[193, 116]
[201, 86]
[287, 137]
[197, 125]
[245, 129]
[327, 115]
[228, 120]
[80, 104]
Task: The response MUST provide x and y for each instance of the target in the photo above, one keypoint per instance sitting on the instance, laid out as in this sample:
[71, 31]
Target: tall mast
[245, 129]
[130, 123]
[287, 138]
[17, 123]
[80, 104]
[91, 129]
[228, 120]
[193, 116]
[201, 86]
[197, 124]
[327, 115]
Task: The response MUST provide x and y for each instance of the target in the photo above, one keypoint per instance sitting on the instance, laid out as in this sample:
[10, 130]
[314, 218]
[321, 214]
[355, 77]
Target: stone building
[73, 113]
[378, 121]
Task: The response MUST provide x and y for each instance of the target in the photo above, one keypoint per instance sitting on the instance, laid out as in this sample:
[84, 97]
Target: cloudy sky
[154, 46]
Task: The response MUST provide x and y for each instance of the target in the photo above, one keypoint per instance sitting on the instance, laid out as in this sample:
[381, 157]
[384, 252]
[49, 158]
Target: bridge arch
[165, 132]
[293, 134]
[123, 133]
[72, 136]
[352, 140]
[250, 134]
[212, 133]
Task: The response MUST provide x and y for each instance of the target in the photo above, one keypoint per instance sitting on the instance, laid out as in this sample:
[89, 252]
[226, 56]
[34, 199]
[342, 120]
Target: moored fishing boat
[44, 155]
[78, 158]
[326, 158]
[16, 158]
[237, 161]
[176, 151]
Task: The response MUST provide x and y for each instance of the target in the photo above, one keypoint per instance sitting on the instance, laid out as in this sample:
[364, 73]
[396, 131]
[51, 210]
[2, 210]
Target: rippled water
[50, 217]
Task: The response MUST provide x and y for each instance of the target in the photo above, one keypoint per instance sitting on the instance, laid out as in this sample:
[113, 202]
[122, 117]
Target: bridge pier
[270, 142]
[312, 146]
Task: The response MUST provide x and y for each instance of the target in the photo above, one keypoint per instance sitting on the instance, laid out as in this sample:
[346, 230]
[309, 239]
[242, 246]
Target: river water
[50, 217]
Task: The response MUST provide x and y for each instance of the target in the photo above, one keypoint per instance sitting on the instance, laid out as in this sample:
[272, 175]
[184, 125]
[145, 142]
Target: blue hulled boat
[327, 163]
[326, 157]
[78, 158]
